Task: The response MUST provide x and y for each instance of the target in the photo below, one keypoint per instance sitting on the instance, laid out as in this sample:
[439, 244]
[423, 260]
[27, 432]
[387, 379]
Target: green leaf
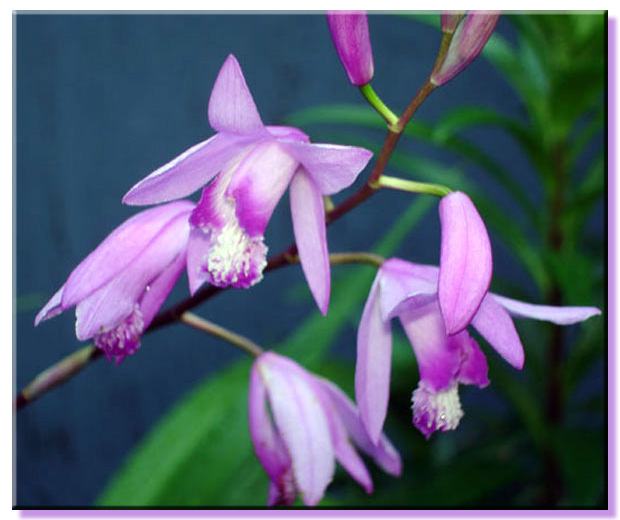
[200, 452]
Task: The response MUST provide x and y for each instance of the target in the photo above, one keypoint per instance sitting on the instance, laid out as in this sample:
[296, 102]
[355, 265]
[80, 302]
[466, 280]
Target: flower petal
[494, 323]
[158, 290]
[403, 283]
[383, 453]
[308, 213]
[258, 183]
[119, 250]
[52, 308]
[231, 106]
[267, 443]
[343, 450]
[466, 264]
[349, 30]
[557, 315]
[474, 369]
[372, 368]
[109, 305]
[438, 355]
[188, 172]
[301, 421]
[332, 167]
[469, 39]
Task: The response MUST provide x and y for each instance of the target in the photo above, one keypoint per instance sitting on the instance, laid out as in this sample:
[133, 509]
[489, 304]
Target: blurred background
[102, 100]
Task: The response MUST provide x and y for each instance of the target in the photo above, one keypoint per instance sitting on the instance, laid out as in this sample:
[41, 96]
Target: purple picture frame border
[439, 513]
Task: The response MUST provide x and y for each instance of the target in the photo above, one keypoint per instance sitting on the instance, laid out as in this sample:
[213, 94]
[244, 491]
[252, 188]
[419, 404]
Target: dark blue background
[101, 101]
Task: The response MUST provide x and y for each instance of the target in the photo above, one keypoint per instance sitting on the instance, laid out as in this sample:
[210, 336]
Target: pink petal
[158, 290]
[557, 315]
[469, 39]
[109, 305]
[301, 421]
[308, 213]
[258, 183]
[438, 355]
[332, 167]
[474, 369]
[231, 106]
[372, 369]
[188, 172]
[450, 20]
[496, 326]
[267, 443]
[403, 282]
[466, 264]
[52, 308]
[343, 450]
[119, 250]
[383, 453]
[349, 30]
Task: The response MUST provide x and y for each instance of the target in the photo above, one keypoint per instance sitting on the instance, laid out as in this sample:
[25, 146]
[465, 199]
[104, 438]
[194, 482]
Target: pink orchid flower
[300, 424]
[120, 286]
[410, 292]
[255, 163]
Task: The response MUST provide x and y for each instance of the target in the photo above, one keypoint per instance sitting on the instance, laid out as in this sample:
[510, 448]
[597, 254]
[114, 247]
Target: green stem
[396, 183]
[198, 323]
[357, 258]
[375, 101]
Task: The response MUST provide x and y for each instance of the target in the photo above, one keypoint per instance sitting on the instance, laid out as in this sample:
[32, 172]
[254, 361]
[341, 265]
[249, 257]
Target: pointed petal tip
[231, 106]
[52, 308]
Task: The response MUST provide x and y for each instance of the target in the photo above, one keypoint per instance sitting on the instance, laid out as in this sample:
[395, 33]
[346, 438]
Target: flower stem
[357, 258]
[57, 374]
[375, 102]
[396, 183]
[238, 340]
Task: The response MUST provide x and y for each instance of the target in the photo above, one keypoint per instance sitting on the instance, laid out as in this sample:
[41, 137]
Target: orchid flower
[470, 37]
[410, 292]
[256, 163]
[300, 424]
[349, 31]
[120, 286]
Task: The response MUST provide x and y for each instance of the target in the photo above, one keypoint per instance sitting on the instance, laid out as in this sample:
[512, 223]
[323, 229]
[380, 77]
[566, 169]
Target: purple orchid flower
[256, 163]
[409, 291]
[120, 286]
[349, 30]
[300, 423]
[470, 37]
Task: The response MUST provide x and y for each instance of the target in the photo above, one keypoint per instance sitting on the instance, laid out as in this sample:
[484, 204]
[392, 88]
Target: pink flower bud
[469, 39]
[349, 30]
[450, 20]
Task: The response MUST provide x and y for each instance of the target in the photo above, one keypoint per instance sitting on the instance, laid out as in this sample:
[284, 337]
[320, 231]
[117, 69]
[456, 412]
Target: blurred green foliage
[511, 449]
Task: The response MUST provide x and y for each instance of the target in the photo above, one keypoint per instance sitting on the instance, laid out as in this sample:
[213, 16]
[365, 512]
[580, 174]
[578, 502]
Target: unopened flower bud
[349, 30]
[469, 39]
[450, 20]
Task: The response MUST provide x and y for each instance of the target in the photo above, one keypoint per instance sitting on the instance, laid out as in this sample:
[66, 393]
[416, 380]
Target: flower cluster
[300, 423]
